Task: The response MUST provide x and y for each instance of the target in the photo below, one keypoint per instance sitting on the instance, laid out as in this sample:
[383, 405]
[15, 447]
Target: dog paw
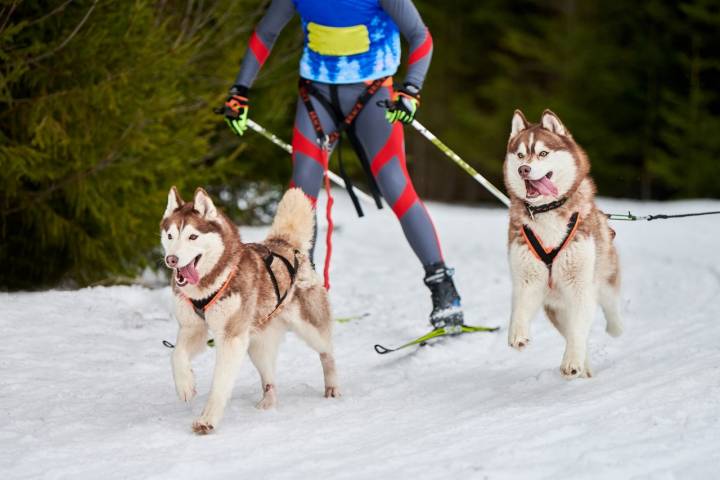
[572, 369]
[202, 427]
[518, 339]
[185, 387]
[332, 392]
[614, 329]
[269, 399]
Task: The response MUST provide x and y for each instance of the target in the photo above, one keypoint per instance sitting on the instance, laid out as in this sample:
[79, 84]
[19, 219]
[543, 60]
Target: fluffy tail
[294, 220]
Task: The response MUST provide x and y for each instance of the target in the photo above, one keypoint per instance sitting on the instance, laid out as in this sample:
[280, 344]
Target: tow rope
[633, 218]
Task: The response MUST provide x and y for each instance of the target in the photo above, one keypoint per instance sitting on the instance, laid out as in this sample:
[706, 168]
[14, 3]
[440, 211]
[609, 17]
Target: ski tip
[382, 350]
[472, 328]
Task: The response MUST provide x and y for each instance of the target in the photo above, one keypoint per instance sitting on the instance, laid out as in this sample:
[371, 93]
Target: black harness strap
[199, 305]
[546, 207]
[268, 257]
[343, 123]
[549, 257]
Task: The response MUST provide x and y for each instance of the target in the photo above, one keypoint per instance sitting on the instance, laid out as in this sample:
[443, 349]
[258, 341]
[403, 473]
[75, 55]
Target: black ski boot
[446, 311]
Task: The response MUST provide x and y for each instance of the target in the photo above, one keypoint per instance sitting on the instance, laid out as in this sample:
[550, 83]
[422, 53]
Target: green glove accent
[403, 109]
[236, 110]
[238, 124]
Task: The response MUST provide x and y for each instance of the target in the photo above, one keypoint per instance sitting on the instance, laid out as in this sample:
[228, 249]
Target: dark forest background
[104, 104]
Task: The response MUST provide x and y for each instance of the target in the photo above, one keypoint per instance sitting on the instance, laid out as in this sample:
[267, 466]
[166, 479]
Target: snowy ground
[86, 390]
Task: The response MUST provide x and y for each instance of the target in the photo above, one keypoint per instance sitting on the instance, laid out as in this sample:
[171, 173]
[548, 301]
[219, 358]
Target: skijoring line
[629, 217]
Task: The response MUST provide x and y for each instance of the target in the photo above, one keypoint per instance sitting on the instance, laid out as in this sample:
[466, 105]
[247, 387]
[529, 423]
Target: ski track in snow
[86, 388]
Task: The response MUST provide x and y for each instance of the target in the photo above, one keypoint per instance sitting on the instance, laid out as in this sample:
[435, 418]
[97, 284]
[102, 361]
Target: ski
[438, 332]
[351, 318]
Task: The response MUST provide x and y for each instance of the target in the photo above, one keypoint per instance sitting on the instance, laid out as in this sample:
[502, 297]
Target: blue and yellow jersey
[346, 41]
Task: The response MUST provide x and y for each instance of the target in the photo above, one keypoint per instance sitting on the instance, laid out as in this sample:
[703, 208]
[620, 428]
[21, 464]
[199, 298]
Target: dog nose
[171, 260]
[524, 170]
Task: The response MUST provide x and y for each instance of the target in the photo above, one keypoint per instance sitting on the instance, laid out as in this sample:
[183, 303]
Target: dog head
[193, 235]
[543, 163]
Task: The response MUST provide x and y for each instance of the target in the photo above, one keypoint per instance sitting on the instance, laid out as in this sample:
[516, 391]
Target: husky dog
[561, 248]
[248, 295]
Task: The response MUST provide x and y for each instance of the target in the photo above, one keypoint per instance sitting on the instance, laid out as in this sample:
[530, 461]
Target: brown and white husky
[561, 248]
[248, 295]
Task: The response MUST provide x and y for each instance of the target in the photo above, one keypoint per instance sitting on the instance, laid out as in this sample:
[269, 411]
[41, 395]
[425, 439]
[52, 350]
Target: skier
[351, 50]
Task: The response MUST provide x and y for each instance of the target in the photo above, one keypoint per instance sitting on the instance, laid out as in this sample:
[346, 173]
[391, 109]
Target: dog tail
[294, 221]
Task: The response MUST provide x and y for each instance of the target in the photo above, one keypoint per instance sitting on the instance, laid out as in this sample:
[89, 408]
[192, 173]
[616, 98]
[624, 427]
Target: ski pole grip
[387, 104]
[382, 350]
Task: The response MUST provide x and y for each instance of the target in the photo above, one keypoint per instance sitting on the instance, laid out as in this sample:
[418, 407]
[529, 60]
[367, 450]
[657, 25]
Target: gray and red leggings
[381, 144]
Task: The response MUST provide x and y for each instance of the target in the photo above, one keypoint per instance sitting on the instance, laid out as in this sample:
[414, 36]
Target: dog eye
[521, 155]
[543, 153]
[169, 236]
[193, 237]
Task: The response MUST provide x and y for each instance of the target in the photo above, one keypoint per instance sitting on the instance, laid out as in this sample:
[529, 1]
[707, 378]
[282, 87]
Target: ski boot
[447, 312]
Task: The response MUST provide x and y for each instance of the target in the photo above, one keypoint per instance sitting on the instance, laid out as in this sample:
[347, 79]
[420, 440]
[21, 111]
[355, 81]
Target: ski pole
[337, 179]
[460, 162]
[453, 156]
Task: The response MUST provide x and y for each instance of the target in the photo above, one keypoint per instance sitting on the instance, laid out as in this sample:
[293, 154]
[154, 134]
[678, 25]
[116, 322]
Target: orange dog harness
[547, 255]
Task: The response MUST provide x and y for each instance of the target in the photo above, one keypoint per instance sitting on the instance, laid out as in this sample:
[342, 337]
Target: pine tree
[104, 106]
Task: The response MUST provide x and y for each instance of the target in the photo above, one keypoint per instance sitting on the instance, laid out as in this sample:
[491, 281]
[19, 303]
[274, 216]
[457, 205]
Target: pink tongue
[545, 186]
[189, 272]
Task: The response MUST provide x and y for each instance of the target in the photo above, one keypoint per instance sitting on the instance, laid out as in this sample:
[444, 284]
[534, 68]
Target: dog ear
[550, 121]
[174, 202]
[519, 123]
[204, 205]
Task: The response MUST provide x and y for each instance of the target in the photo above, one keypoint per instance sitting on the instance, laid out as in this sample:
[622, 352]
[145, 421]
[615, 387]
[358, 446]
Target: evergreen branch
[35, 197]
[184, 25]
[9, 14]
[69, 37]
[54, 12]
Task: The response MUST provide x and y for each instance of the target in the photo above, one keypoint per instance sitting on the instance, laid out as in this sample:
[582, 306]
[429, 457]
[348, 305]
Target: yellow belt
[338, 41]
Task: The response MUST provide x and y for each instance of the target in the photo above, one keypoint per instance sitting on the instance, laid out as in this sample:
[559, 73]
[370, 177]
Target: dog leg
[321, 342]
[230, 351]
[526, 301]
[190, 341]
[263, 352]
[609, 302]
[575, 321]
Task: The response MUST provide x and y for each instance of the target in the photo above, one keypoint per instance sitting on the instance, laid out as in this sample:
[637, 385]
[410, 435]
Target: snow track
[86, 389]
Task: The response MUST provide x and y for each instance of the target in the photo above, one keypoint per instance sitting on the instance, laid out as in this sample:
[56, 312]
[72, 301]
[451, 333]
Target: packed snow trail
[86, 388]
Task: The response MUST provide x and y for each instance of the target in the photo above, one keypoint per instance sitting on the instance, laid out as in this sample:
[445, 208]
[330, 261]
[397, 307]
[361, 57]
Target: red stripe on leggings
[405, 200]
[301, 144]
[258, 48]
[394, 146]
[422, 50]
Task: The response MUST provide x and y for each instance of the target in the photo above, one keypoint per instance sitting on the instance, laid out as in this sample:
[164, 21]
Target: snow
[86, 389]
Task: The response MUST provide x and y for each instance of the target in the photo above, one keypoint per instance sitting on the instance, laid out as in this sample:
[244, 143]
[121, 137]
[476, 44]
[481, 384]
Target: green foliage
[636, 82]
[104, 106]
